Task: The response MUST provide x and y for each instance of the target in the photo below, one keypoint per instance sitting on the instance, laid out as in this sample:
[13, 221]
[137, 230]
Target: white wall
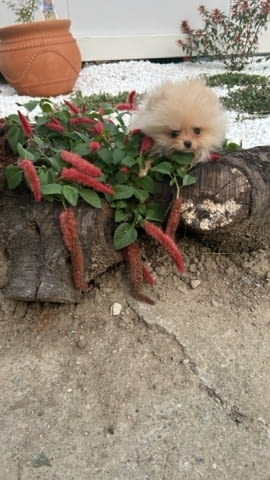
[130, 29]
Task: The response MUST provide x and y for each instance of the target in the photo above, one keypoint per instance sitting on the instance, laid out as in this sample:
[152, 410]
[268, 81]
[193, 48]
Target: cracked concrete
[175, 391]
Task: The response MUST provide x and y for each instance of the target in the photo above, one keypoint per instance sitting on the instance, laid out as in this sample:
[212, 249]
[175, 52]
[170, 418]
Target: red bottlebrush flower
[136, 131]
[168, 243]
[174, 217]
[147, 144]
[26, 125]
[81, 121]
[132, 97]
[123, 106]
[32, 178]
[98, 128]
[81, 164]
[69, 228]
[125, 169]
[94, 146]
[76, 176]
[214, 156]
[130, 103]
[73, 108]
[55, 126]
[148, 276]
[133, 256]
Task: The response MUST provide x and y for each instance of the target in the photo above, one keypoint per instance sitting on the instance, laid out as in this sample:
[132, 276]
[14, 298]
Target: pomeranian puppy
[185, 116]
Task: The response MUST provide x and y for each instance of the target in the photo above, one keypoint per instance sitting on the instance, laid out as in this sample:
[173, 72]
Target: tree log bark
[229, 207]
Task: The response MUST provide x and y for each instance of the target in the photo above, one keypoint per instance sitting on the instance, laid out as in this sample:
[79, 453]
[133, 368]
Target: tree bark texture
[228, 207]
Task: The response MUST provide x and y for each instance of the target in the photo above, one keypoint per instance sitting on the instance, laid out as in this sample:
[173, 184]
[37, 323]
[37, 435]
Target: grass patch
[96, 100]
[252, 96]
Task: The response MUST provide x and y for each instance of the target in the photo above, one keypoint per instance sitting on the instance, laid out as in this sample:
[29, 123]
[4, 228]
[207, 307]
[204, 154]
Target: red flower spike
[135, 131]
[76, 176]
[214, 156]
[55, 126]
[125, 169]
[26, 125]
[98, 128]
[147, 144]
[73, 108]
[32, 178]
[80, 163]
[133, 256]
[148, 276]
[130, 103]
[174, 217]
[69, 228]
[124, 106]
[168, 243]
[94, 146]
[81, 121]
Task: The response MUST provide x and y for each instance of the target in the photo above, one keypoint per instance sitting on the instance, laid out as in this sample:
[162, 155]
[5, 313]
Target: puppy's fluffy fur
[185, 116]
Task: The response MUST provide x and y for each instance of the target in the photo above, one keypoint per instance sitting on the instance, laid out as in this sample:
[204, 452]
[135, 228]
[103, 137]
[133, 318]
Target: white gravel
[141, 76]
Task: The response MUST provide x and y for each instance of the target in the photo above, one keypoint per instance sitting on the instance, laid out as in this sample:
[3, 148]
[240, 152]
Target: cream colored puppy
[185, 116]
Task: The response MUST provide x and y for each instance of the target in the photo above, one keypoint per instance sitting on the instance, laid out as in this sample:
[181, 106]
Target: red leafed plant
[72, 153]
[231, 38]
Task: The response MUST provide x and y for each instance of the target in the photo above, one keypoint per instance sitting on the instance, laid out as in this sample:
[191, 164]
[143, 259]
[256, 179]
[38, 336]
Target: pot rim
[21, 28]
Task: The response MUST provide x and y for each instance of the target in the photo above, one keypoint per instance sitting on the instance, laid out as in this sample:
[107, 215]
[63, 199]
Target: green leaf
[23, 153]
[52, 189]
[120, 215]
[141, 195]
[117, 156]
[90, 197]
[81, 148]
[71, 194]
[46, 105]
[182, 158]
[128, 161]
[56, 163]
[155, 213]
[105, 155]
[188, 180]
[124, 235]
[123, 191]
[163, 167]
[14, 176]
[29, 106]
[146, 183]
[15, 135]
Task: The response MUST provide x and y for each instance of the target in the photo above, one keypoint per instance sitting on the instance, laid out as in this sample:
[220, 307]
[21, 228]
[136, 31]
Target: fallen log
[228, 207]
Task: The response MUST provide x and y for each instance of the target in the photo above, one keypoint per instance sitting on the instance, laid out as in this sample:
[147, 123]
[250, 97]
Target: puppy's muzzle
[188, 144]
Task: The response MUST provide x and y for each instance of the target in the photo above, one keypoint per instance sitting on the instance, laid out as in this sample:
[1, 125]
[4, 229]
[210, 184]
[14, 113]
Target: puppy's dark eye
[175, 133]
[197, 130]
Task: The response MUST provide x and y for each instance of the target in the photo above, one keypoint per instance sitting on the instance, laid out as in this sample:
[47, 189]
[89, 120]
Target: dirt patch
[175, 390]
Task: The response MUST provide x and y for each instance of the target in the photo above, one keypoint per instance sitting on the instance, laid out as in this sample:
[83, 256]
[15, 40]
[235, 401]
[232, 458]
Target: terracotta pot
[40, 58]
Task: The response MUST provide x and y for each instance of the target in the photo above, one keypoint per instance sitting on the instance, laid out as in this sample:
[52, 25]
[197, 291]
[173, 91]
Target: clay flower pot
[40, 58]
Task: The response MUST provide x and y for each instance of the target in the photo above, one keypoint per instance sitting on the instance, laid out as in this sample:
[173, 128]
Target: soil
[175, 390]
[115, 389]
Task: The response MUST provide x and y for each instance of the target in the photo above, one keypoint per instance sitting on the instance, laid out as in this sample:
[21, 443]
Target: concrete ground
[175, 391]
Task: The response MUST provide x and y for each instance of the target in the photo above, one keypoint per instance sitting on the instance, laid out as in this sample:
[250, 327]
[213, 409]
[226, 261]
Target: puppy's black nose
[187, 143]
